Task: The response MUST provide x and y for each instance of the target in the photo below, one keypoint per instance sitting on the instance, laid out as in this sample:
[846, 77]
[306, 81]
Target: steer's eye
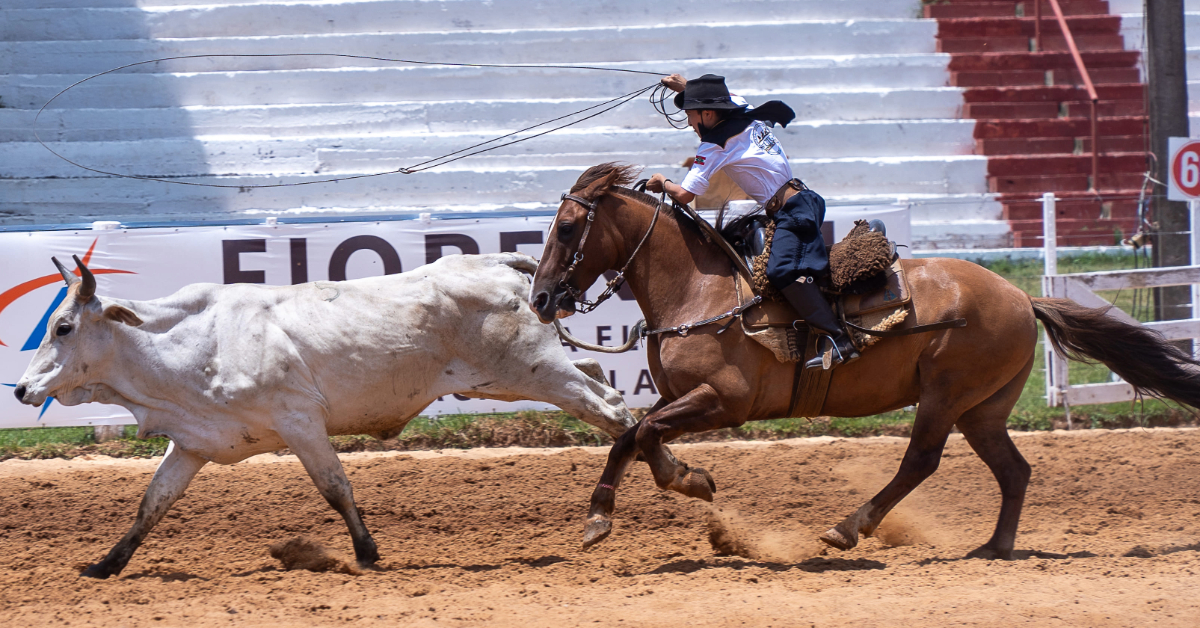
[63, 329]
[565, 229]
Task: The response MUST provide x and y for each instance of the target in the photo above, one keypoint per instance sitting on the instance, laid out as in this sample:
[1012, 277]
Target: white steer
[229, 371]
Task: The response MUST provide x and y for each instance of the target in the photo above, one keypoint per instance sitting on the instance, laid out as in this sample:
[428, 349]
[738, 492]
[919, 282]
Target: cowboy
[737, 139]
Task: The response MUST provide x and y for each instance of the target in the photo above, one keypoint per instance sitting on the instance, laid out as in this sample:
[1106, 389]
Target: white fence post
[1050, 233]
[1056, 373]
[1195, 207]
[103, 433]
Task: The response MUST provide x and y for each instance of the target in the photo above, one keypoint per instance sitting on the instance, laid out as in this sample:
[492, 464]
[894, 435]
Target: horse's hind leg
[982, 423]
[985, 428]
[930, 431]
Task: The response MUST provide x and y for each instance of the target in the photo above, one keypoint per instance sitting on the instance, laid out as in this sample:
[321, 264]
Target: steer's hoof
[698, 483]
[597, 528]
[834, 538]
[96, 571]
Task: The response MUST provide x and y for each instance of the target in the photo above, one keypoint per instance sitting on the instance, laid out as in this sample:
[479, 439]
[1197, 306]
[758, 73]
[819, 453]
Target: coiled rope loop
[658, 96]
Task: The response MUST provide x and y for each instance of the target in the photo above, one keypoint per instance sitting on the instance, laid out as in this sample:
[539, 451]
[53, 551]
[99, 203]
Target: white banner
[148, 263]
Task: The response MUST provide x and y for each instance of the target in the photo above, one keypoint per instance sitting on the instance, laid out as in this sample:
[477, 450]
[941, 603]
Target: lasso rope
[658, 97]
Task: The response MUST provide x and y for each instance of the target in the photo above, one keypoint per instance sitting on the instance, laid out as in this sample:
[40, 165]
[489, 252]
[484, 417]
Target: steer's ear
[122, 314]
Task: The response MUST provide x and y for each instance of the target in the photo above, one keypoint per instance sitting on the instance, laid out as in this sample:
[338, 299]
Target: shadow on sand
[817, 564]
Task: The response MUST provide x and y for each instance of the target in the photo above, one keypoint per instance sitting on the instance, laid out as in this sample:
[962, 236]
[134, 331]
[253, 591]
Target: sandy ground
[1110, 537]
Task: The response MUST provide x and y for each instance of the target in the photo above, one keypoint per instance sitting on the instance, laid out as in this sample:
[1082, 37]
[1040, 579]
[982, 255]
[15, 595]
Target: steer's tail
[1141, 356]
[518, 261]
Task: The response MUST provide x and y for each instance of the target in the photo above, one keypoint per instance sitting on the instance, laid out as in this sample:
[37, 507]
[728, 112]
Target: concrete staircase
[1033, 114]
[877, 117]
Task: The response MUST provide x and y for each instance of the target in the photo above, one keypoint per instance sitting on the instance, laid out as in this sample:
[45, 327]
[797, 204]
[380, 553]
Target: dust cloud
[303, 553]
[731, 535]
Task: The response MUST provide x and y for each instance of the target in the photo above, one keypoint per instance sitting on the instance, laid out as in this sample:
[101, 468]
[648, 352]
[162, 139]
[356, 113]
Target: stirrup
[826, 360]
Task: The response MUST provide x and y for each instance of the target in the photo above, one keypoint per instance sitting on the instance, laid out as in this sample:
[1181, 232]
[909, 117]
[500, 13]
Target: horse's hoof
[595, 530]
[987, 552]
[367, 555]
[698, 483]
[95, 571]
[834, 538]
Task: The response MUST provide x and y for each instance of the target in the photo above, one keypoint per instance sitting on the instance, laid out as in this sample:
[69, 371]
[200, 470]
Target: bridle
[639, 330]
[613, 284]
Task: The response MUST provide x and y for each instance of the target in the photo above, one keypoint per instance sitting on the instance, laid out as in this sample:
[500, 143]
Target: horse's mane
[626, 174]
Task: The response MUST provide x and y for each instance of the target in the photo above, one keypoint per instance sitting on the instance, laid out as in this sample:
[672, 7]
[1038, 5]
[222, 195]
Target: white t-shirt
[754, 159]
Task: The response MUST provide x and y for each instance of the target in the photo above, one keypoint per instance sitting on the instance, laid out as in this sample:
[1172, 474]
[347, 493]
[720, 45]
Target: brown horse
[968, 377]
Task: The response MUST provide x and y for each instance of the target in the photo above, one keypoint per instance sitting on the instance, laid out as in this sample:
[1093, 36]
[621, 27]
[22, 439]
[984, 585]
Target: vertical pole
[1194, 206]
[1095, 183]
[1037, 25]
[1167, 96]
[1057, 376]
[1050, 233]
[1050, 261]
[105, 433]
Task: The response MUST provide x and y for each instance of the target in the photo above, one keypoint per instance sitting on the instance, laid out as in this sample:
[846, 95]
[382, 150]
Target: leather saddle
[868, 314]
[772, 323]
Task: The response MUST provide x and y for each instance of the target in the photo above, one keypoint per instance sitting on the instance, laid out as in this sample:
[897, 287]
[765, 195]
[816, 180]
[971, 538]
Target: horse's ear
[598, 186]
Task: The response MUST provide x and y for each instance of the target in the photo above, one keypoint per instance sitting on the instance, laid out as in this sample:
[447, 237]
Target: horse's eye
[63, 330]
[565, 229]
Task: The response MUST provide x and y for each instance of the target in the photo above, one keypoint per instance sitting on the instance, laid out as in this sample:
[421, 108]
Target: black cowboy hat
[706, 92]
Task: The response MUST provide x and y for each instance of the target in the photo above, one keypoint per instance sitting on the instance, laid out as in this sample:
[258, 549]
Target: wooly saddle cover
[770, 324]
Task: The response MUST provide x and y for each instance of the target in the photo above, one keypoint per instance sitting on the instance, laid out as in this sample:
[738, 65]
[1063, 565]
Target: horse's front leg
[700, 410]
[604, 497]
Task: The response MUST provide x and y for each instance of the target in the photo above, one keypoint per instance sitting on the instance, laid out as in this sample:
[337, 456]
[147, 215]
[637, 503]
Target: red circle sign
[1185, 169]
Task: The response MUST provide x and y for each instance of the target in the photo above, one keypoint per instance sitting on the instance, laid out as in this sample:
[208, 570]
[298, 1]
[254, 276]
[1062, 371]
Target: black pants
[797, 250]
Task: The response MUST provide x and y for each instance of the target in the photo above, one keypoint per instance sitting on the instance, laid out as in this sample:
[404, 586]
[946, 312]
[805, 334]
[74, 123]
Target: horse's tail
[1141, 356]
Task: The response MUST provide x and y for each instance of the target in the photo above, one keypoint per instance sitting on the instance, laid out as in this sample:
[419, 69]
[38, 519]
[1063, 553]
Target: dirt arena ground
[1110, 537]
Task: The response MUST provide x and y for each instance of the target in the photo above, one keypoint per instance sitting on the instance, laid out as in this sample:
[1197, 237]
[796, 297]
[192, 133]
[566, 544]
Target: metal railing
[1083, 73]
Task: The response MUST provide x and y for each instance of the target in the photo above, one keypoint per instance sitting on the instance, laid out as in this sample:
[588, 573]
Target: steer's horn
[89, 281]
[68, 276]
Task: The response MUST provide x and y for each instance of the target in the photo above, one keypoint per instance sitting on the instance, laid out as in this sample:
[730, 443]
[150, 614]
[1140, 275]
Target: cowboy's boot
[810, 304]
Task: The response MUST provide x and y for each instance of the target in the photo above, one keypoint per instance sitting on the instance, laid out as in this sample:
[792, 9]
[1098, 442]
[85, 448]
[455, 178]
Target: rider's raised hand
[676, 82]
[655, 184]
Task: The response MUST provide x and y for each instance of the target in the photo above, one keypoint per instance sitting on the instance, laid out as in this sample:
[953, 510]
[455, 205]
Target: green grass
[32, 437]
[557, 429]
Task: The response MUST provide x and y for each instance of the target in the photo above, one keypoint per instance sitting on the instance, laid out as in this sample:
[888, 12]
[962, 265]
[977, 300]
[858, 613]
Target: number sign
[1185, 169]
